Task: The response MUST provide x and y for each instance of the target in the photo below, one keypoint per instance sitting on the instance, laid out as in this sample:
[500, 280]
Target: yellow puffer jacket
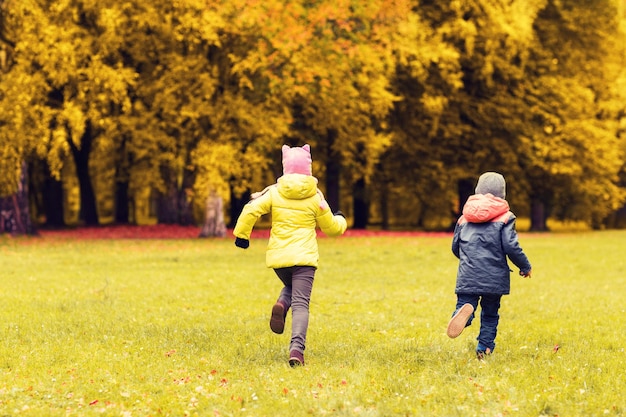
[297, 209]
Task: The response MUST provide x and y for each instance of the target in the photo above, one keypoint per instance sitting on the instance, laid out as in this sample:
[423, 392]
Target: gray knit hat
[493, 183]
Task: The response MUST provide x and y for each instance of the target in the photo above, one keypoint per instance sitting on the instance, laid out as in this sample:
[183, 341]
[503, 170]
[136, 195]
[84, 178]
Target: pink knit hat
[297, 160]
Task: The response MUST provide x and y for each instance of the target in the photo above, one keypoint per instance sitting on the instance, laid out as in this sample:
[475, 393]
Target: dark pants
[489, 317]
[296, 294]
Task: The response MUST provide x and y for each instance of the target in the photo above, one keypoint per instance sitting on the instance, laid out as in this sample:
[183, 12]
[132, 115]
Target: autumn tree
[573, 157]
[248, 114]
[64, 84]
[191, 100]
[14, 203]
[618, 218]
[417, 171]
[167, 45]
[346, 108]
[510, 87]
[330, 62]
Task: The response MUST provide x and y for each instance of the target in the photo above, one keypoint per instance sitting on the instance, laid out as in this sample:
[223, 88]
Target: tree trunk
[53, 208]
[122, 182]
[214, 217]
[185, 206]
[14, 210]
[616, 220]
[465, 189]
[88, 206]
[333, 173]
[361, 204]
[122, 203]
[236, 205]
[174, 206]
[166, 210]
[538, 217]
[384, 204]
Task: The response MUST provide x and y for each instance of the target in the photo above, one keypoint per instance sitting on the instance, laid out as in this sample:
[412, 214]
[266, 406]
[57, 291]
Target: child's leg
[285, 275]
[489, 318]
[463, 314]
[282, 305]
[302, 285]
[462, 299]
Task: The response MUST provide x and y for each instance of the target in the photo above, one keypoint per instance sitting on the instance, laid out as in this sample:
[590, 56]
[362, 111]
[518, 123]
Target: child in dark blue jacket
[484, 237]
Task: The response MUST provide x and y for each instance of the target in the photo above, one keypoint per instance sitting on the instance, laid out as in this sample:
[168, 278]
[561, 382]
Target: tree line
[128, 111]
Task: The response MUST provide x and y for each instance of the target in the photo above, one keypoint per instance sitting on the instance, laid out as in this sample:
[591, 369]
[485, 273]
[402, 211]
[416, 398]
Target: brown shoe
[296, 358]
[482, 354]
[277, 321]
[459, 320]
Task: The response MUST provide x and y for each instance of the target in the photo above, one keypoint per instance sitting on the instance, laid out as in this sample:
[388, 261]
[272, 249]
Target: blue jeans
[296, 294]
[489, 317]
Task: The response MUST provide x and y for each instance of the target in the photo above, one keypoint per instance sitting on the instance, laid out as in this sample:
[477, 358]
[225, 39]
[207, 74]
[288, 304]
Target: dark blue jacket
[483, 238]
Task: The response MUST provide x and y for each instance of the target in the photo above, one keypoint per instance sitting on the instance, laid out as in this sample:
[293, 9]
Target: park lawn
[167, 327]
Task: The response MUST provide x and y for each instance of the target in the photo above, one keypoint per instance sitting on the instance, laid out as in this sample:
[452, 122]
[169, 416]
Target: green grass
[180, 327]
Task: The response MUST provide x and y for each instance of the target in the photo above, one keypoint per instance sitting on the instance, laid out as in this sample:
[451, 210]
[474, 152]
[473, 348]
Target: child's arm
[331, 224]
[456, 244]
[513, 250]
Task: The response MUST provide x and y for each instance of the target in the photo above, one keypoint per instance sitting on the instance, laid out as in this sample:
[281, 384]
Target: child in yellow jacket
[297, 208]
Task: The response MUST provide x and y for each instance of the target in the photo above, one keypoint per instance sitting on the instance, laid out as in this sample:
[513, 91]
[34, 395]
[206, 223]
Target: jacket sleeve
[512, 248]
[251, 213]
[332, 225]
[455, 241]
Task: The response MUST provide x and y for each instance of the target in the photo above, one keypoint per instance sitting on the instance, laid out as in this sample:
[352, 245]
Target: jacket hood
[481, 208]
[297, 186]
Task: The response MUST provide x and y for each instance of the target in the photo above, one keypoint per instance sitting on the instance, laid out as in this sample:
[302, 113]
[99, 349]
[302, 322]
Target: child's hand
[242, 243]
[525, 274]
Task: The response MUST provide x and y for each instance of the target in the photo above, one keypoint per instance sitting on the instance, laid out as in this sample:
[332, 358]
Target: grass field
[166, 327]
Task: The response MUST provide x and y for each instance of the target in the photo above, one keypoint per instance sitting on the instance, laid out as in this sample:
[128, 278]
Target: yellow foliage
[209, 87]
